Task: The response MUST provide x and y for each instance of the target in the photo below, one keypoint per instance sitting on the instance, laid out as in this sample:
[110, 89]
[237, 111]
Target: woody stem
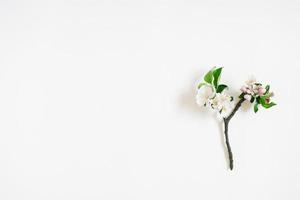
[226, 123]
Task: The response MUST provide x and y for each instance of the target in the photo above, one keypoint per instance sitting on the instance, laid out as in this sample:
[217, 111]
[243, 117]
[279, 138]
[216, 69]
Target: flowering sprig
[213, 94]
[258, 94]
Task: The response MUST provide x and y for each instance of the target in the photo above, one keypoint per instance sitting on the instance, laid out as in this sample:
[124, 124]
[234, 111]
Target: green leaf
[269, 105]
[256, 107]
[264, 103]
[209, 76]
[221, 87]
[200, 85]
[267, 89]
[217, 74]
[258, 99]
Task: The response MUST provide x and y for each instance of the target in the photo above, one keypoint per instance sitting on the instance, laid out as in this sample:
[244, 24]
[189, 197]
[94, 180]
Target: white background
[97, 100]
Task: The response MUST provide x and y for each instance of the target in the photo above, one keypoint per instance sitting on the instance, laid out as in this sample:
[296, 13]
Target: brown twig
[226, 123]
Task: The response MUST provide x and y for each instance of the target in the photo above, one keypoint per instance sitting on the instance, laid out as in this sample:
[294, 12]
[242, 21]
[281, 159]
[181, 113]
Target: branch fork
[226, 123]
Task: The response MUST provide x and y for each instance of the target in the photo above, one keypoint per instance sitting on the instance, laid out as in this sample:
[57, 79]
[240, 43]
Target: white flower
[222, 102]
[253, 89]
[248, 97]
[204, 94]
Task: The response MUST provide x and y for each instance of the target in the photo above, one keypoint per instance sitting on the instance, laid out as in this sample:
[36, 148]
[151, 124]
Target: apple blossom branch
[214, 95]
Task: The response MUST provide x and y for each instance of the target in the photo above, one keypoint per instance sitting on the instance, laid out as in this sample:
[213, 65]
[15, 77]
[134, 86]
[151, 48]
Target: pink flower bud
[244, 89]
[261, 91]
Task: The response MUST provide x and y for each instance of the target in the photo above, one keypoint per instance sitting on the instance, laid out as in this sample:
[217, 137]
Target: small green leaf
[256, 107]
[209, 76]
[267, 89]
[200, 85]
[269, 105]
[264, 103]
[272, 104]
[252, 99]
[217, 74]
[258, 99]
[221, 87]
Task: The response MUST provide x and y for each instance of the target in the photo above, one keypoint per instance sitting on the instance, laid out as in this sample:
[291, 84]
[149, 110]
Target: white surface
[97, 100]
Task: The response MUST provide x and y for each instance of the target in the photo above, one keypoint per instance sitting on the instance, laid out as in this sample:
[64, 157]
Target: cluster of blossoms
[222, 102]
[252, 89]
[211, 93]
[257, 93]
